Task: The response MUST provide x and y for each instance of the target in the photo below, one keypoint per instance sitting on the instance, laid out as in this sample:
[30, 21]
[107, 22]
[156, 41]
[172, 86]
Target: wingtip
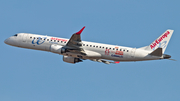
[117, 62]
[78, 33]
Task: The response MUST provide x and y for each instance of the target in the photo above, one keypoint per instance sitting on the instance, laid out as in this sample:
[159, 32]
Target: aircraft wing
[74, 44]
[105, 61]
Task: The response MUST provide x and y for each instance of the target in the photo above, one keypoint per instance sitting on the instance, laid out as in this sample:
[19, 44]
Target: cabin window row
[48, 39]
[105, 47]
[83, 44]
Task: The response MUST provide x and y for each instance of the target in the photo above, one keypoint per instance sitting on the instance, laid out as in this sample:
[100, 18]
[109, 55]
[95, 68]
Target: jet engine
[57, 49]
[70, 59]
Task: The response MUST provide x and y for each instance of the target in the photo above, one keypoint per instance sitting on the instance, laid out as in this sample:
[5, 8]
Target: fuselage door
[25, 37]
[133, 52]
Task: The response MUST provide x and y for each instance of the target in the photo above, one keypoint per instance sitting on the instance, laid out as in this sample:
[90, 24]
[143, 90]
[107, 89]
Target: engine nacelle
[71, 59]
[57, 49]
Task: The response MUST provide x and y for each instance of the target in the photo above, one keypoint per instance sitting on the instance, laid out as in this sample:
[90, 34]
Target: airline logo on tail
[159, 40]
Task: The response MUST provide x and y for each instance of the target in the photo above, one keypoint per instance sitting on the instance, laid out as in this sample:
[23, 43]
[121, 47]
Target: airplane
[75, 50]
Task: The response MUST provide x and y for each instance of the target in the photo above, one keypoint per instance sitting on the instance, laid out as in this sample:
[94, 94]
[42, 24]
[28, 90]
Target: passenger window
[109, 48]
[103, 47]
[64, 41]
[93, 46]
[99, 46]
[47, 39]
[113, 48]
[30, 37]
[90, 45]
[34, 38]
[116, 49]
[127, 50]
[87, 45]
[106, 48]
[54, 40]
[96, 46]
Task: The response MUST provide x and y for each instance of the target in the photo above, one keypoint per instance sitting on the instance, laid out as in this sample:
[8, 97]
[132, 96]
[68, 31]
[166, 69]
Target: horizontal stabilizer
[157, 52]
[172, 59]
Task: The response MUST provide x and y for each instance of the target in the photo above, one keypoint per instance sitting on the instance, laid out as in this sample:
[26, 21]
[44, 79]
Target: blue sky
[31, 75]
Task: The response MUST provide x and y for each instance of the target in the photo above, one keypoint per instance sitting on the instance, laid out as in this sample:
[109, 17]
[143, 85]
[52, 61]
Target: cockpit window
[16, 35]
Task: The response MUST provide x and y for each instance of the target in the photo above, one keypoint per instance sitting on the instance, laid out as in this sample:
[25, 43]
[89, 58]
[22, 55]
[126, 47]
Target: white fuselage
[95, 50]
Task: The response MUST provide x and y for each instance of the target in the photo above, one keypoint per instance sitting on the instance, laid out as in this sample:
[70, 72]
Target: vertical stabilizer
[161, 42]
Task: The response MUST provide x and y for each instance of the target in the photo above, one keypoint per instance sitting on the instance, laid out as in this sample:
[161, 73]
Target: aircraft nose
[11, 41]
[6, 41]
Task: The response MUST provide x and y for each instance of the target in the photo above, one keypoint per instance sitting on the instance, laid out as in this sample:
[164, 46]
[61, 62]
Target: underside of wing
[105, 61]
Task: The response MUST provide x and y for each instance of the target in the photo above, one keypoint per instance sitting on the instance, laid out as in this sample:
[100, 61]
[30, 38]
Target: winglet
[78, 33]
[117, 62]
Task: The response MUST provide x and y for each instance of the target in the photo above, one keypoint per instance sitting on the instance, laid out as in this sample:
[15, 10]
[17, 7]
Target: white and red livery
[75, 50]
